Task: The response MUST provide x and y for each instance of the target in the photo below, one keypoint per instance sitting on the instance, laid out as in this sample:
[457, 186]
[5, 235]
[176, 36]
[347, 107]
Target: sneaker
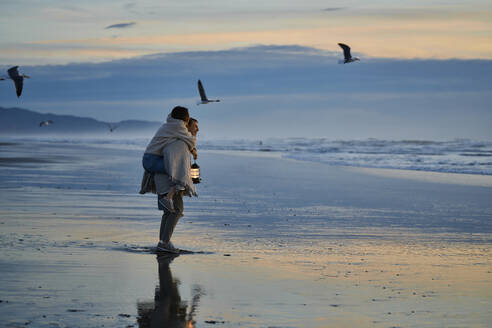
[167, 204]
[168, 248]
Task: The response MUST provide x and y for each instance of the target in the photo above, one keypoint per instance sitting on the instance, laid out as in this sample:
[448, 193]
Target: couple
[167, 160]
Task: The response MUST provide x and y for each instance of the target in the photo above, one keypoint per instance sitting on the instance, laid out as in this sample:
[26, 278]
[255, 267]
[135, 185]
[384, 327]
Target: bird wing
[203, 96]
[346, 50]
[13, 72]
[111, 126]
[19, 82]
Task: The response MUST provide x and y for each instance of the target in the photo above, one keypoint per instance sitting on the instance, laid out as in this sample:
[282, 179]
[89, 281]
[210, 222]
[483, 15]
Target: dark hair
[192, 120]
[180, 113]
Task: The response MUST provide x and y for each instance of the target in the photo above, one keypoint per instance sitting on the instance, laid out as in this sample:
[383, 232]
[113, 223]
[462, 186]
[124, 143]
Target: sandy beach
[278, 243]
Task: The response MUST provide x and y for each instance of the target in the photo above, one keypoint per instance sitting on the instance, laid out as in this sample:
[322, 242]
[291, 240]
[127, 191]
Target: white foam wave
[456, 156]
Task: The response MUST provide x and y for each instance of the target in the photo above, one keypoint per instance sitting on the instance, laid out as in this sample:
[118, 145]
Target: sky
[425, 68]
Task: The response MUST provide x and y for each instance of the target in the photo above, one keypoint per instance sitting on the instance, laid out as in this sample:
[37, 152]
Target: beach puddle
[153, 250]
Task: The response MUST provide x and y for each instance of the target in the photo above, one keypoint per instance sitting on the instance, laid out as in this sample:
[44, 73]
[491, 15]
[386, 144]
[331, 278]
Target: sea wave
[455, 156]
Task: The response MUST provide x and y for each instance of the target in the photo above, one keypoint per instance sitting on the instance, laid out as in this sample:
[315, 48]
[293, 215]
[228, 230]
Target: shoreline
[470, 179]
[422, 174]
[478, 180]
[289, 243]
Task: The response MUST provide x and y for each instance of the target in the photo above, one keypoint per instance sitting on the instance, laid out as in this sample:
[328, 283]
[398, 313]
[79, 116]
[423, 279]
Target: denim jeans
[153, 163]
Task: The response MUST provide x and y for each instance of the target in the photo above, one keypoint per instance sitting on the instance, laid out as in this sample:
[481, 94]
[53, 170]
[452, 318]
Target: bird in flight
[346, 53]
[112, 127]
[17, 78]
[203, 96]
[45, 123]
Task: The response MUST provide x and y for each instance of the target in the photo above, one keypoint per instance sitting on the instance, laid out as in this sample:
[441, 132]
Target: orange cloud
[397, 36]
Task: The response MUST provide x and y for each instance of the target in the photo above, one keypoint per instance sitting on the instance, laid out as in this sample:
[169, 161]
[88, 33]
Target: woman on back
[175, 128]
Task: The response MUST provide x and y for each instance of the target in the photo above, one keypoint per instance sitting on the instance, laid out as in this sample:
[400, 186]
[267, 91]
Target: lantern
[195, 173]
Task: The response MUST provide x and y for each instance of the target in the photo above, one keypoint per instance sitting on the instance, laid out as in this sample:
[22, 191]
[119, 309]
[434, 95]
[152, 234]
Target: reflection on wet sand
[167, 309]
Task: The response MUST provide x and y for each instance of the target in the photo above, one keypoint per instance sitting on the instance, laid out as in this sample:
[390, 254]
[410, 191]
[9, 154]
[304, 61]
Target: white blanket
[169, 132]
[177, 163]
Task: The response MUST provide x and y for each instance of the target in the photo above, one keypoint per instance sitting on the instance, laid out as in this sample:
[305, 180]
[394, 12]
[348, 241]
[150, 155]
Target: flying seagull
[112, 127]
[43, 123]
[17, 78]
[203, 96]
[346, 53]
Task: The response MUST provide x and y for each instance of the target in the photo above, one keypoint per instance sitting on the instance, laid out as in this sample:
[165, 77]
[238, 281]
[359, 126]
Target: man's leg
[165, 215]
[169, 220]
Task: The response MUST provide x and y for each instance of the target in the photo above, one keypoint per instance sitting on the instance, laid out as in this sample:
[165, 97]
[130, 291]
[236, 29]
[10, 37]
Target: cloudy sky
[425, 73]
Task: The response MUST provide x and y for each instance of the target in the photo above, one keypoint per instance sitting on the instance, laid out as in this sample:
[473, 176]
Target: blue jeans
[153, 163]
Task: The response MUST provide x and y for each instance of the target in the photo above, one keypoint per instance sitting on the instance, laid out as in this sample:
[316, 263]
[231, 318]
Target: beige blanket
[177, 162]
[147, 184]
[168, 132]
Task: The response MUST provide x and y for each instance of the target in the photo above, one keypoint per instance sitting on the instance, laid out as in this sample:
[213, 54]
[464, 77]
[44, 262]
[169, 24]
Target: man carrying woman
[167, 157]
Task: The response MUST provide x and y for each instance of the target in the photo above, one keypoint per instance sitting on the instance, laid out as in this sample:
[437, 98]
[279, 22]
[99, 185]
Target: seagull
[346, 53]
[112, 127]
[43, 123]
[17, 78]
[203, 96]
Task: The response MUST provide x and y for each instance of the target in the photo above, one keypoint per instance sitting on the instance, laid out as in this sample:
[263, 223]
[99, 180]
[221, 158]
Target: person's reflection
[167, 310]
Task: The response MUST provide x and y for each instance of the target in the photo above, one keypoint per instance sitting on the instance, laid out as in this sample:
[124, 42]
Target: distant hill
[18, 121]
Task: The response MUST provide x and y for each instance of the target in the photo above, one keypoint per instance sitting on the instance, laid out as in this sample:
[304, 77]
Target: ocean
[455, 156]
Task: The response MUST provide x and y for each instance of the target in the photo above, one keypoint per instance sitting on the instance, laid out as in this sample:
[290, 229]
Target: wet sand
[286, 244]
